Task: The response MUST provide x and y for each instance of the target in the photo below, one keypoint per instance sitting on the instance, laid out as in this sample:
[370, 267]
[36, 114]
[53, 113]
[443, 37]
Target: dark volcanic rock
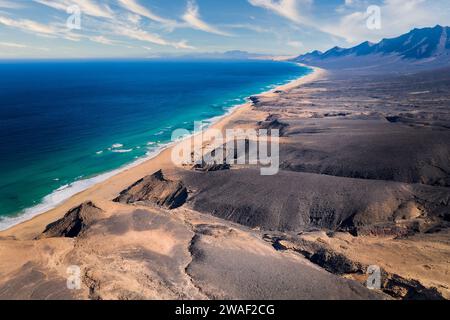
[274, 124]
[318, 253]
[155, 189]
[293, 201]
[370, 150]
[209, 167]
[334, 262]
[336, 114]
[393, 119]
[254, 99]
[407, 289]
[74, 223]
[272, 117]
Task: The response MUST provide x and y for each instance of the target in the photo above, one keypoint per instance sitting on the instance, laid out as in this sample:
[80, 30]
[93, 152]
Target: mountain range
[426, 46]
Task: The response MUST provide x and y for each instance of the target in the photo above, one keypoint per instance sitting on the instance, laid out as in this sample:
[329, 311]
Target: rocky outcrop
[74, 223]
[337, 263]
[155, 189]
[271, 124]
[273, 116]
[209, 167]
[254, 99]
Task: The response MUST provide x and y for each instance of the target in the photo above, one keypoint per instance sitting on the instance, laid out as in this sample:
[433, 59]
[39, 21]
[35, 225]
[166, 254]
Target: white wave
[51, 201]
[63, 187]
[122, 150]
[65, 192]
[117, 145]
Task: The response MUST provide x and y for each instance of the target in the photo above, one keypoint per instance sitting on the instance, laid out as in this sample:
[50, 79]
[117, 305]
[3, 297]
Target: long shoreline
[25, 226]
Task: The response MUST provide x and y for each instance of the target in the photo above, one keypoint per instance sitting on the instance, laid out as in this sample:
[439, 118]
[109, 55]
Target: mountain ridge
[416, 46]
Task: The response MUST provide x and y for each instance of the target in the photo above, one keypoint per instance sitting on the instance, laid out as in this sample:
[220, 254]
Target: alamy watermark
[233, 147]
[73, 277]
[74, 20]
[373, 21]
[374, 278]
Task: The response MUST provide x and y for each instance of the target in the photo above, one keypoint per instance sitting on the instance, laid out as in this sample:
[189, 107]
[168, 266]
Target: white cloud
[28, 25]
[135, 7]
[88, 7]
[12, 45]
[192, 18]
[349, 20]
[134, 18]
[103, 40]
[295, 44]
[103, 20]
[285, 8]
[251, 27]
[45, 30]
[397, 17]
[142, 35]
[10, 4]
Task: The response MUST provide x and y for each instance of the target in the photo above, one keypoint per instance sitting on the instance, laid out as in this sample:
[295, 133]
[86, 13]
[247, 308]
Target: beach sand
[103, 192]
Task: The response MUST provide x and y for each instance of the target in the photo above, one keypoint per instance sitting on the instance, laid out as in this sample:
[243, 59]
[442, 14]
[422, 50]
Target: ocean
[65, 125]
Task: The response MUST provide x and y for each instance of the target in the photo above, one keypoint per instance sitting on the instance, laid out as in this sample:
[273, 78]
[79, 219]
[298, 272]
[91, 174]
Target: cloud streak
[10, 4]
[28, 25]
[193, 19]
[87, 7]
[135, 7]
[12, 45]
[144, 36]
[285, 8]
[108, 21]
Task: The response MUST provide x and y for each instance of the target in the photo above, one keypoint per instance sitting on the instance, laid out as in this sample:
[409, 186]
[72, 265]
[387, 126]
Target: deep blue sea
[65, 123]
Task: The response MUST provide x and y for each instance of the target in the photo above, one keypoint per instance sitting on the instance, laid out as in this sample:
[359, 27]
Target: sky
[152, 28]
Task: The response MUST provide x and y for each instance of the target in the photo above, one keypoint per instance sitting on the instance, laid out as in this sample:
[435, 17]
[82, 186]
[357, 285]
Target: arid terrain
[364, 181]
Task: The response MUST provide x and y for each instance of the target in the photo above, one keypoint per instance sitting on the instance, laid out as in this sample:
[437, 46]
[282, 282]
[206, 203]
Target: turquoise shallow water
[64, 123]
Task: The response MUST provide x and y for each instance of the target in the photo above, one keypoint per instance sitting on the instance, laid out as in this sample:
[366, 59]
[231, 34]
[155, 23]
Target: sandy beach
[103, 192]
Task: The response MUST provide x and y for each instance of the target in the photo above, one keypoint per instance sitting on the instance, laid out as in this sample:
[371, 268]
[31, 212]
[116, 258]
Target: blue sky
[148, 28]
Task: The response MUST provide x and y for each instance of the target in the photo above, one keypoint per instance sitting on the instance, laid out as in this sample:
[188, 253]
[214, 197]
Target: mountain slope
[427, 45]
